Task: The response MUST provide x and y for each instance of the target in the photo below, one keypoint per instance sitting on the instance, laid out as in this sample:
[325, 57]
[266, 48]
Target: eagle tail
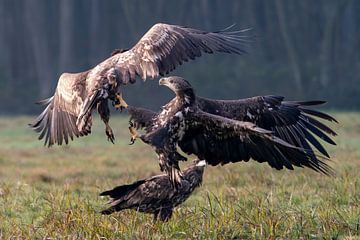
[117, 195]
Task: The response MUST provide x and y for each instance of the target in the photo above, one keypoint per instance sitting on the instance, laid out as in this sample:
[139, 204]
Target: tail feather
[121, 191]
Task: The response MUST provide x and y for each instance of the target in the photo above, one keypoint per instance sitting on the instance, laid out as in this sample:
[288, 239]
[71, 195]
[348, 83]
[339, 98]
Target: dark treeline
[302, 49]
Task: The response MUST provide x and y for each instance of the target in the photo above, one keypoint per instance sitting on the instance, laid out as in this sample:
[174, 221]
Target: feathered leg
[156, 214]
[165, 214]
[104, 112]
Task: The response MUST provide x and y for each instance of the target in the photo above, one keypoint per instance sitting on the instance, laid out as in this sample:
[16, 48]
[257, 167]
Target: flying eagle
[156, 194]
[266, 129]
[67, 114]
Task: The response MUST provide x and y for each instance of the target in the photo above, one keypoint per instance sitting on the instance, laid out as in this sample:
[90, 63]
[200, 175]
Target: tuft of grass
[54, 192]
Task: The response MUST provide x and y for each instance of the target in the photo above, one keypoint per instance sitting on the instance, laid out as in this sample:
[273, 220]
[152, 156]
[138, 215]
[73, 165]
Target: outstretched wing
[165, 46]
[59, 121]
[221, 140]
[293, 122]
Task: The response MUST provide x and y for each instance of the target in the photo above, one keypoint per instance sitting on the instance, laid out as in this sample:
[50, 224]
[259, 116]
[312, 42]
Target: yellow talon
[120, 102]
[134, 134]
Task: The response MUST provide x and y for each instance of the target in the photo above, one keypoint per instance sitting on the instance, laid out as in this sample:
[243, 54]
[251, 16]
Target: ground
[54, 192]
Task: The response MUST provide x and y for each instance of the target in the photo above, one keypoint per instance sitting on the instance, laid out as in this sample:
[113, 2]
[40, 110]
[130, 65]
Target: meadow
[54, 192]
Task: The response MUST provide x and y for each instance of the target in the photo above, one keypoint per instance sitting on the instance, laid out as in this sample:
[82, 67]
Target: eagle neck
[187, 97]
[194, 176]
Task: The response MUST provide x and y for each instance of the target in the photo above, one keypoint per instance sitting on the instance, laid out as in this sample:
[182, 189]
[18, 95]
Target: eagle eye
[112, 77]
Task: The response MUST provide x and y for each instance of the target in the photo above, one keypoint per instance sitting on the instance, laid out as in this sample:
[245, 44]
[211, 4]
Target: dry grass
[53, 193]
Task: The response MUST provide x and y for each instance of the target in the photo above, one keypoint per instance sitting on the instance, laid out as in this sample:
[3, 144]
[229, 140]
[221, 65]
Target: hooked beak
[202, 163]
[163, 81]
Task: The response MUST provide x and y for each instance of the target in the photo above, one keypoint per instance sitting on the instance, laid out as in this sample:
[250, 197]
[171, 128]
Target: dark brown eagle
[68, 113]
[156, 194]
[266, 129]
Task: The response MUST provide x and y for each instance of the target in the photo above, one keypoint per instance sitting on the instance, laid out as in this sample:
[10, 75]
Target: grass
[54, 193]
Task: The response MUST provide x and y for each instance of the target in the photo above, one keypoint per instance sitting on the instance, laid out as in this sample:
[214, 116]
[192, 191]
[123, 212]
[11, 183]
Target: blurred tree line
[302, 49]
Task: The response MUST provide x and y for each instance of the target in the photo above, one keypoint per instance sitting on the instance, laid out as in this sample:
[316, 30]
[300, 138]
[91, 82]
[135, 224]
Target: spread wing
[293, 122]
[165, 46]
[221, 140]
[58, 122]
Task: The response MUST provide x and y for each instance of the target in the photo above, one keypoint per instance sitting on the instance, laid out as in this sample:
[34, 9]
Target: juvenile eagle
[155, 195]
[266, 129]
[68, 113]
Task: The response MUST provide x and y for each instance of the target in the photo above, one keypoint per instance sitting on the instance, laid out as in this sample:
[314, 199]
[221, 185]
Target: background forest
[302, 49]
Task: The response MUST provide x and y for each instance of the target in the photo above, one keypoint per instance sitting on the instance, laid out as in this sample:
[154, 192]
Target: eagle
[156, 194]
[67, 113]
[263, 128]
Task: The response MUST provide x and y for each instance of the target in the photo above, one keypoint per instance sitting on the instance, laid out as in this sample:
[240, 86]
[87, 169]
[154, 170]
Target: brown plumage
[156, 194]
[265, 129]
[159, 51]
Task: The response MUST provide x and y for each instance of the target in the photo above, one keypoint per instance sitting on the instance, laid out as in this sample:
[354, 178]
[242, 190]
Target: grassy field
[53, 193]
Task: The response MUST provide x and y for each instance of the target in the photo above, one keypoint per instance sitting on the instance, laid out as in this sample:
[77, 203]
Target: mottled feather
[156, 194]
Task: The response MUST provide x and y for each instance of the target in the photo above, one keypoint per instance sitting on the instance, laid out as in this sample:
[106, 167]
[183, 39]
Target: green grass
[53, 193]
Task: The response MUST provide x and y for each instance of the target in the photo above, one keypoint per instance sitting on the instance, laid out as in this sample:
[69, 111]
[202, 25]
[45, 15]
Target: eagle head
[194, 172]
[178, 84]
[113, 77]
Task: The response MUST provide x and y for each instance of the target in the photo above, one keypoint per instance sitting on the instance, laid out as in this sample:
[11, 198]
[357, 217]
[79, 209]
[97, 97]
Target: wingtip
[228, 27]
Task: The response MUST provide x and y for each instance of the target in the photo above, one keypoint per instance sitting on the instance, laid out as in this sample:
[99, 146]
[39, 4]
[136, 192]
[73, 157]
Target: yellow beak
[163, 81]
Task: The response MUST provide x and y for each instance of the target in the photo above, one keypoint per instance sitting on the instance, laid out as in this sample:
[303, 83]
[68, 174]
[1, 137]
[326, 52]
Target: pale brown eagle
[159, 51]
[265, 128]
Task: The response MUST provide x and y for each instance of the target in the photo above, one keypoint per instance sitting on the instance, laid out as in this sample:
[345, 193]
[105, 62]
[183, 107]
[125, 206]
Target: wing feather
[148, 193]
[164, 47]
[282, 117]
[221, 140]
[57, 123]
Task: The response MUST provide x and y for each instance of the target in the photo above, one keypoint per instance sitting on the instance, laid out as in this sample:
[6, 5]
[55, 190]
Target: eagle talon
[110, 134]
[134, 133]
[132, 141]
[120, 102]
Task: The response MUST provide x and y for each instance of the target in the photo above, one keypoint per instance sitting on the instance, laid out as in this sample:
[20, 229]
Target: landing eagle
[264, 128]
[67, 114]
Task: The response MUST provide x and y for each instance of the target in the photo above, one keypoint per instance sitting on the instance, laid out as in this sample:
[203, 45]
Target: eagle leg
[156, 215]
[120, 102]
[109, 133]
[104, 112]
[134, 133]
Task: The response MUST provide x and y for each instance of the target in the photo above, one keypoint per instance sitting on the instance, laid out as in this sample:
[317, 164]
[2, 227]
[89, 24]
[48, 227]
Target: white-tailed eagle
[156, 194]
[67, 114]
[266, 129]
